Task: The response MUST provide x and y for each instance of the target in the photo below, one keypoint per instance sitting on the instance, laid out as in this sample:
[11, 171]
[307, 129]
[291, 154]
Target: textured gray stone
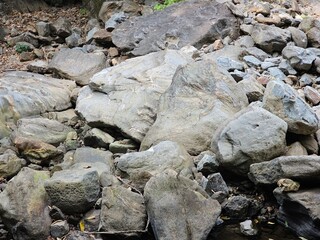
[10, 164]
[300, 59]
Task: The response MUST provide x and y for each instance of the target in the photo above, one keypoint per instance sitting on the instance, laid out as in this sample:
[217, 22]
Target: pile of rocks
[156, 138]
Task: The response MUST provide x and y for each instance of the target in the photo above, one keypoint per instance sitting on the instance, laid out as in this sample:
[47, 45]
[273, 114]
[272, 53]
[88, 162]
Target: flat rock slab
[174, 27]
[27, 94]
[77, 65]
[301, 168]
[179, 208]
[126, 96]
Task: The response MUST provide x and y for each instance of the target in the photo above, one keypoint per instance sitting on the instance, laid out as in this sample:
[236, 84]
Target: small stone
[276, 73]
[56, 213]
[305, 80]
[113, 52]
[208, 163]
[247, 229]
[217, 44]
[123, 146]
[229, 64]
[299, 37]
[252, 61]
[237, 207]
[38, 66]
[91, 220]
[98, 138]
[253, 89]
[73, 40]
[312, 95]
[27, 56]
[62, 27]
[216, 184]
[288, 185]
[103, 37]
[59, 228]
[296, 149]
[43, 29]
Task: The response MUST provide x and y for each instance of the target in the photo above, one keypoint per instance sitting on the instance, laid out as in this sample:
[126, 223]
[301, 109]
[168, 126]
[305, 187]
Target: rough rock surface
[10, 164]
[179, 208]
[24, 205]
[201, 97]
[175, 27]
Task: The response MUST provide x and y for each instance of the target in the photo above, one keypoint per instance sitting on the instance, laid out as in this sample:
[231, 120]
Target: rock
[244, 41]
[103, 37]
[216, 184]
[310, 143]
[42, 129]
[90, 34]
[312, 95]
[276, 74]
[24, 205]
[43, 29]
[288, 185]
[27, 56]
[313, 37]
[91, 220]
[67, 117]
[38, 66]
[134, 86]
[254, 135]
[77, 235]
[3, 34]
[237, 207]
[286, 68]
[24, 37]
[76, 65]
[207, 163]
[122, 146]
[10, 164]
[300, 59]
[37, 152]
[193, 215]
[299, 37]
[305, 80]
[299, 211]
[252, 61]
[163, 156]
[229, 64]
[61, 27]
[122, 210]
[27, 99]
[198, 101]
[114, 21]
[247, 228]
[97, 138]
[270, 38]
[270, 172]
[296, 149]
[139, 37]
[253, 89]
[59, 228]
[73, 40]
[73, 191]
[283, 101]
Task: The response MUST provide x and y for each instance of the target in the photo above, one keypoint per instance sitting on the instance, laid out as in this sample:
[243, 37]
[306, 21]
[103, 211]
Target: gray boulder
[175, 27]
[178, 208]
[299, 37]
[24, 205]
[300, 168]
[254, 135]
[32, 94]
[122, 210]
[10, 164]
[300, 211]
[299, 58]
[283, 101]
[77, 65]
[201, 97]
[73, 191]
[126, 96]
[61, 27]
[270, 38]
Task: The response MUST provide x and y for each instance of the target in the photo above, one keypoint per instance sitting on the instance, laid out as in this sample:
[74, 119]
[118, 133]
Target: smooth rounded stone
[24, 205]
[42, 129]
[139, 37]
[131, 92]
[252, 61]
[163, 156]
[59, 228]
[300, 211]
[283, 101]
[270, 38]
[253, 89]
[61, 27]
[216, 184]
[296, 149]
[312, 95]
[178, 208]
[10, 164]
[201, 97]
[98, 138]
[237, 207]
[31, 94]
[300, 59]
[43, 29]
[313, 37]
[299, 37]
[77, 65]
[207, 163]
[270, 172]
[229, 64]
[73, 191]
[247, 228]
[37, 152]
[38, 66]
[122, 210]
[252, 136]
[122, 146]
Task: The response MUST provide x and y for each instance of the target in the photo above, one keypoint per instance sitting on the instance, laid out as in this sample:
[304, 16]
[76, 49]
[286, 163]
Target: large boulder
[254, 135]
[126, 96]
[28, 94]
[201, 97]
[174, 27]
[282, 100]
[77, 65]
[301, 168]
[178, 208]
[24, 205]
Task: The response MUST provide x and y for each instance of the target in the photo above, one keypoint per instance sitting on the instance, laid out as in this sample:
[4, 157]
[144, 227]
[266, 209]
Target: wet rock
[134, 86]
[59, 228]
[299, 211]
[247, 139]
[24, 205]
[270, 172]
[193, 215]
[300, 59]
[43, 29]
[98, 138]
[122, 210]
[283, 101]
[10, 164]
[73, 191]
[237, 207]
[198, 101]
[123, 146]
[270, 38]
[76, 65]
[138, 36]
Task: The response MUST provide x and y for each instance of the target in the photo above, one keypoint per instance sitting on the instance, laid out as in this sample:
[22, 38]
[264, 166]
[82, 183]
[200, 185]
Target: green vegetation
[84, 11]
[20, 48]
[165, 4]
